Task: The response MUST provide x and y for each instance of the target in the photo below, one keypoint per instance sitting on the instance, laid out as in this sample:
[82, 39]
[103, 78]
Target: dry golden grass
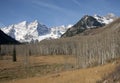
[33, 66]
[53, 59]
[34, 60]
[90, 75]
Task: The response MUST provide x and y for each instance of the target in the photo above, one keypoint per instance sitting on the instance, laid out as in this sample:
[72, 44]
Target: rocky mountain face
[5, 39]
[88, 22]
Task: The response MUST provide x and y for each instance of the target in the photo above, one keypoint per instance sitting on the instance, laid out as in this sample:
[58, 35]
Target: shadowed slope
[5, 39]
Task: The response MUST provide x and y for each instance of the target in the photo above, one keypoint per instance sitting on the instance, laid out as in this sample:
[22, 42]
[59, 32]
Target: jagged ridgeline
[98, 46]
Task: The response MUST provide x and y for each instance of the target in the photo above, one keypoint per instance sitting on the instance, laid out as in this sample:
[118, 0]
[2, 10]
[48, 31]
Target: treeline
[88, 50]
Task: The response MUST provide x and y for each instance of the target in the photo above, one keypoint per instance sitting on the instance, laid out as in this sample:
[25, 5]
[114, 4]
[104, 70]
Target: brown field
[32, 66]
[34, 60]
[50, 69]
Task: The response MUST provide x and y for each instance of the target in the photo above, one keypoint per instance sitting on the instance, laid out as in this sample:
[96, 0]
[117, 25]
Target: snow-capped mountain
[89, 22]
[59, 30]
[34, 31]
[26, 32]
[55, 32]
[29, 32]
[105, 19]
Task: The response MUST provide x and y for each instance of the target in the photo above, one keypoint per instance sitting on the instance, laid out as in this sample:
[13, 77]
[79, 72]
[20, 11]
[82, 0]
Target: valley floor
[90, 75]
[87, 75]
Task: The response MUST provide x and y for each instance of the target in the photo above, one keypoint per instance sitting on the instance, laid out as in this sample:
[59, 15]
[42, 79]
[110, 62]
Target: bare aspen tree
[14, 54]
[1, 56]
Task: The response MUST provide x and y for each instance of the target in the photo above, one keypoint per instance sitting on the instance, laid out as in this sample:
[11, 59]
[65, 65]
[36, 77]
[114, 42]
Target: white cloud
[76, 2]
[52, 6]
[47, 5]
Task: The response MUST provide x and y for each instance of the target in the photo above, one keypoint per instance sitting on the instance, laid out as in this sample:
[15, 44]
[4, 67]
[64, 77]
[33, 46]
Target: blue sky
[54, 12]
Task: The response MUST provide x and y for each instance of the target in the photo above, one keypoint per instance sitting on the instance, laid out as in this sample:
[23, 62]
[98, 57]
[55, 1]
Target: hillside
[113, 77]
[114, 26]
[5, 39]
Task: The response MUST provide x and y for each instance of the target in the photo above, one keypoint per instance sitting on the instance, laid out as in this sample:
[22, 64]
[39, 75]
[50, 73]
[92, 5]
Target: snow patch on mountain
[55, 32]
[59, 30]
[105, 19]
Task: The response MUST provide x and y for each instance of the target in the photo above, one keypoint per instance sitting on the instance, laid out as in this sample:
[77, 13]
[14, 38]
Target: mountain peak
[36, 21]
[88, 22]
[86, 17]
[25, 32]
[111, 15]
[105, 19]
[23, 23]
[96, 15]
